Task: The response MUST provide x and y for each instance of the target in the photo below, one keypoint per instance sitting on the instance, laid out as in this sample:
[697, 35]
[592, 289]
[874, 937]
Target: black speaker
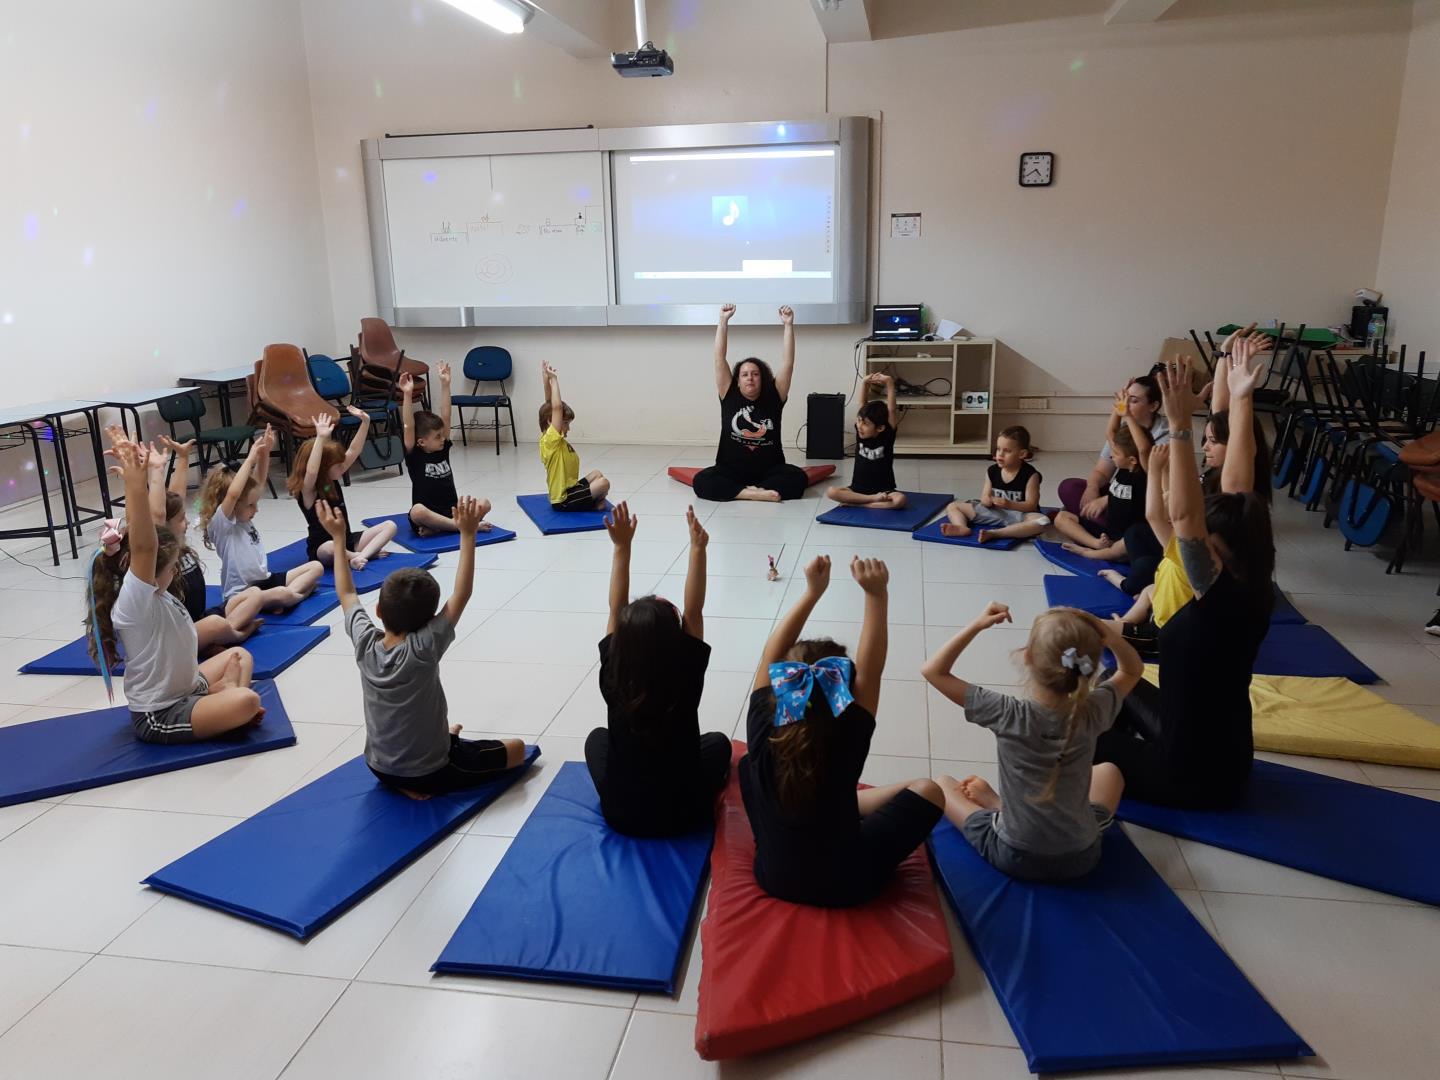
[825, 426]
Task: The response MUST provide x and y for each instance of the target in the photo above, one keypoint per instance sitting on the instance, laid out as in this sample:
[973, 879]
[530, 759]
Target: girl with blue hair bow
[812, 714]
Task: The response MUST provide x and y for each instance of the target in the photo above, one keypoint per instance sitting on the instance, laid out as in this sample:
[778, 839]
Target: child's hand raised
[1240, 375]
[406, 384]
[817, 574]
[359, 414]
[443, 369]
[1175, 388]
[994, 614]
[699, 538]
[621, 526]
[1159, 459]
[872, 575]
[324, 425]
[179, 449]
[467, 515]
[333, 521]
[158, 461]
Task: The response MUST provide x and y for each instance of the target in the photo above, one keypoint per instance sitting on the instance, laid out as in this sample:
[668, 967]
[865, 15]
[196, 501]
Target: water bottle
[1375, 332]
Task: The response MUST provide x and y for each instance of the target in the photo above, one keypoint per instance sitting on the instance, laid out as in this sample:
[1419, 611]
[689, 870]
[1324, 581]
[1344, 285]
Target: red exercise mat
[775, 973]
[813, 474]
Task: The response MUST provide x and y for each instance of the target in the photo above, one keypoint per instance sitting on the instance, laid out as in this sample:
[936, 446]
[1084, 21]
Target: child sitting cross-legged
[409, 742]
[1130, 452]
[873, 483]
[568, 490]
[1009, 503]
[427, 458]
[1044, 823]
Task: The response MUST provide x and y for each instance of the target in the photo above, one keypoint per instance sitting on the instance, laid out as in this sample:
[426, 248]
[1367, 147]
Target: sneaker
[1433, 626]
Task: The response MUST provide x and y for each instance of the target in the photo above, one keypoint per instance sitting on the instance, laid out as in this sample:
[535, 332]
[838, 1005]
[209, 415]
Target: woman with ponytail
[1044, 823]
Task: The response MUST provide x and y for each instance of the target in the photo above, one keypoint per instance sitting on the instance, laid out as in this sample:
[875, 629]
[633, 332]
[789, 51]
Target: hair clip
[1073, 661]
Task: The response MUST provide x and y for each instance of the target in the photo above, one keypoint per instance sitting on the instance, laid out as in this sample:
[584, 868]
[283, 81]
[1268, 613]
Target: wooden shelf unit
[938, 425]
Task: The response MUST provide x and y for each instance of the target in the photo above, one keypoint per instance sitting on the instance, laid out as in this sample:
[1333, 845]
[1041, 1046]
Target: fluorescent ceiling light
[507, 16]
[732, 155]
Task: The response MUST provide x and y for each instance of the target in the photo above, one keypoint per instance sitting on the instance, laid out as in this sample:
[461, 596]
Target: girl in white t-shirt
[228, 504]
[134, 610]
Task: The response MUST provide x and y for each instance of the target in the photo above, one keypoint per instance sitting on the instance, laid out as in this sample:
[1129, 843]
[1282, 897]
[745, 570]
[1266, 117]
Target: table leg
[45, 495]
[92, 418]
[68, 497]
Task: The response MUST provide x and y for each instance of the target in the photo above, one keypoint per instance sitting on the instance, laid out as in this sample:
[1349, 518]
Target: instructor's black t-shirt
[432, 484]
[874, 464]
[1014, 489]
[810, 854]
[750, 431]
[653, 770]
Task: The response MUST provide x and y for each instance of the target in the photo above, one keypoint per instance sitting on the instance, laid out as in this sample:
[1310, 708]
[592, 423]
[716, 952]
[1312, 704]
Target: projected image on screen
[710, 226]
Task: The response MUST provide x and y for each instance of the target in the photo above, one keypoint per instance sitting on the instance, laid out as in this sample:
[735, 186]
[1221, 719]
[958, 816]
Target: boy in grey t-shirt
[409, 742]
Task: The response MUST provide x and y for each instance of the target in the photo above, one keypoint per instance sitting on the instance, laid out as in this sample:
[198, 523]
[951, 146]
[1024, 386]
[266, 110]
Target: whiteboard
[499, 231]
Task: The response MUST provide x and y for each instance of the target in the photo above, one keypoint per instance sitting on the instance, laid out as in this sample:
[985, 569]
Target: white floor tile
[486, 698]
[93, 859]
[567, 591]
[30, 976]
[902, 726]
[726, 597]
[19, 815]
[531, 637]
[1216, 870]
[1296, 950]
[175, 1021]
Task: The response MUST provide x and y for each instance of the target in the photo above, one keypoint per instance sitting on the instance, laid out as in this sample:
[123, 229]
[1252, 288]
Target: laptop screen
[897, 322]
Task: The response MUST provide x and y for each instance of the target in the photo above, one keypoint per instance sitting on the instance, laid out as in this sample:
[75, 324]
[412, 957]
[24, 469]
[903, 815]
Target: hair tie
[111, 536]
[1073, 661]
[794, 682]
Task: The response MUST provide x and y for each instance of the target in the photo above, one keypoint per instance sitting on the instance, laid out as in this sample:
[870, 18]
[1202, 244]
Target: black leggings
[1153, 772]
[472, 762]
[631, 813]
[1143, 552]
[720, 483]
[887, 837]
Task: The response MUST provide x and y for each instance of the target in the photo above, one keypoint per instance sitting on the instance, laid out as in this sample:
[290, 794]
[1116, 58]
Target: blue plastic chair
[490, 364]
[332, 383]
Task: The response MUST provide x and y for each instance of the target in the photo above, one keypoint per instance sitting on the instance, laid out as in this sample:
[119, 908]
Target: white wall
[1167, 213]
[158, 196]
[1410, 254]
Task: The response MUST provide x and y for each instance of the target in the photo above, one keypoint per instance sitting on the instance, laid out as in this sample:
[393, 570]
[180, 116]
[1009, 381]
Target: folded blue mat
[1099, 597]
[92, 749]
[552, 522]
[931, 534]
[1108, 971]
[320, 602]
[285, 559]
[1338, 829]
[407, 537]
[574, 901]
[1310, 651]
[274, 650]
[920, 507]
[301, 863]
[1076, 564]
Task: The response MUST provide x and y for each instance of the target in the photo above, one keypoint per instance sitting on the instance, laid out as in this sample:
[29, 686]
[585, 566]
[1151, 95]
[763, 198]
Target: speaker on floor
[825, 426]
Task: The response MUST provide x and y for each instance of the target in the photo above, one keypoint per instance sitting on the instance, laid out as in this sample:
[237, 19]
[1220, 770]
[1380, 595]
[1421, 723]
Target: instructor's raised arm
[722, 350]
[787, 353]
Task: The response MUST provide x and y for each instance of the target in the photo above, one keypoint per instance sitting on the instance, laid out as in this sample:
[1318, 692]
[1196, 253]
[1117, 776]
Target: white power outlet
[1034, 404]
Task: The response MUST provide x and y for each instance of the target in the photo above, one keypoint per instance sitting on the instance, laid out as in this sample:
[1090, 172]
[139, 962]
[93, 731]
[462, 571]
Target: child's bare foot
[259, 715]
[382, 554]
[455, 728]
[983, 536]
[978, 791]
[249, 628]
[1081, 550]
[1114, 577]
[230, 676]
[758, 494]
[951, 529]
[484, 526]
[418, 796]
[358, 562]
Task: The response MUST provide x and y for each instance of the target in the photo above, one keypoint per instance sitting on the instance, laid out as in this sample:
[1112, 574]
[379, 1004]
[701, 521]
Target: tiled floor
[100, 978]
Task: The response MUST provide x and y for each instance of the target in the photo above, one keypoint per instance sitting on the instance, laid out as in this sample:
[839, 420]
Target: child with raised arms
[655, 773]
[320, 465]
[1044, 823]
[427, 458]
[568, 490]
[873, 482]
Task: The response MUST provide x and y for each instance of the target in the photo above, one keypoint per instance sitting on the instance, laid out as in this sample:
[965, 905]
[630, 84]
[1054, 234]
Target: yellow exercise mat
[1335, 718]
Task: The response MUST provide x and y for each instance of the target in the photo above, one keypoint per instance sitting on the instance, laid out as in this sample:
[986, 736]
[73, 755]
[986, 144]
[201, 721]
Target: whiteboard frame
[850, 134]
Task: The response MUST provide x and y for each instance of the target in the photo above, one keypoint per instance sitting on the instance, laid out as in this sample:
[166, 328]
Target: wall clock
[1037, 169]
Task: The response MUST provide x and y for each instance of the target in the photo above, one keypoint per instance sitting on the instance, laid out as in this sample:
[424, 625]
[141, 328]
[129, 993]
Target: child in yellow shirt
[568, 490]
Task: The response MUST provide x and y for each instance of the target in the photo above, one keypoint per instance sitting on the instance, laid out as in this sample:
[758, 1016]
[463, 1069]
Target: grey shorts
[979, 829]
[992, 517]
[172, 723]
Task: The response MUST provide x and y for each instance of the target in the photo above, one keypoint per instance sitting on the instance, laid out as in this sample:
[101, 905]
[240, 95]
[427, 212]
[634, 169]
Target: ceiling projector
[645, 62]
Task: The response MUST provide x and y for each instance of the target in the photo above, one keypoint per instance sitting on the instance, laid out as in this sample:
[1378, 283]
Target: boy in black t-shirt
[873, 482]
[1124, 505]
[427, 458]
[1009, 503]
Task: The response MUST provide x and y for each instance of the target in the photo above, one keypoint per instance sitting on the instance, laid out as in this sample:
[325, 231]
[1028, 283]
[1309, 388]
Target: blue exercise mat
[931, 534]
[1349, 832]
[320, 602]
[920, 507]
[285, 559]
[274, 650]
[1076, 564]
[1309, 651]
[407, 537]
[574, 901]
[301, 863]
[552, 522]
[1099, 597]
[1108, 971]
[92, 749]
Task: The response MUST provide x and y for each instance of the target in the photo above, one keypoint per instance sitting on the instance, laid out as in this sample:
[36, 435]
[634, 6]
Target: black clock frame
[1020, 176]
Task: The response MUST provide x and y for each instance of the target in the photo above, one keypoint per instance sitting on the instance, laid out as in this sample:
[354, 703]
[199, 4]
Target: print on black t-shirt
[1012, 490]
[874, 464]
[750, 430]
[432, 482]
